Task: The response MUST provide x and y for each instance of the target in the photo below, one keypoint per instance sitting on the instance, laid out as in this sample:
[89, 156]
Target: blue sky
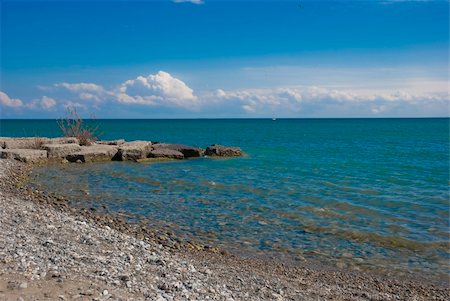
[214, 59]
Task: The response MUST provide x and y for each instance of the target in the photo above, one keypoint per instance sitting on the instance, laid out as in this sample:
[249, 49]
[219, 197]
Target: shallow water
[361, 193]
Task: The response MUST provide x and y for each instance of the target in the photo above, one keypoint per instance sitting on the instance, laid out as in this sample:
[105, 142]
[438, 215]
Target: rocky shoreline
[50, 251]
[69, 149]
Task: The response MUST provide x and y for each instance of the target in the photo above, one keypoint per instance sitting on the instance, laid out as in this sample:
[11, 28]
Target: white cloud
[308, 100]
[9, 102]
[157, 89]
[47, 102]
[85, 91]
[81, 87]
[190, 1]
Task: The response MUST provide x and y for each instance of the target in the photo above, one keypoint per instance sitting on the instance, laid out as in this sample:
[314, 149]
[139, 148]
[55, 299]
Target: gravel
[50, 251]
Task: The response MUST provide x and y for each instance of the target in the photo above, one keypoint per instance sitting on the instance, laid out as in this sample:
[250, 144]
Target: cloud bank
[322, 101]
[161, 92]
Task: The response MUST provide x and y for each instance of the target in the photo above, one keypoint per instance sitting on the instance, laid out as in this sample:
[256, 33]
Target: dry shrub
[38, 142]
[74, 126]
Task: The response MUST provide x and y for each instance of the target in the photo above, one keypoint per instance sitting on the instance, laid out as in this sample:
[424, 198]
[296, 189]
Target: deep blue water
[361, 193]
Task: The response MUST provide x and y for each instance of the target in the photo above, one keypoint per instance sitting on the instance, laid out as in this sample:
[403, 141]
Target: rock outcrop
[216, 150]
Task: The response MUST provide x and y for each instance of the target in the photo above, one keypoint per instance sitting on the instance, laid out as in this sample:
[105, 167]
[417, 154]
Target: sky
[224, 59]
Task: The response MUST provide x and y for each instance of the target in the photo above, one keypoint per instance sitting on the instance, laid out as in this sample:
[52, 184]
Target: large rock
[33, 142]
[60, 151]
[187, 151]
[24, 155]
[165, 153]
[94, 153]
[223, 151]
[23, 143]
[134, 151]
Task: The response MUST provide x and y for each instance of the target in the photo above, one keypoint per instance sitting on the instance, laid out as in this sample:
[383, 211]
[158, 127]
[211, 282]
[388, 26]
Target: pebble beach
[50, 251]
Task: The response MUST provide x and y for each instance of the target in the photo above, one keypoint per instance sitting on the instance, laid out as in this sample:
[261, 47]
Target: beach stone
[186, 150]
[94, 153]
[217, 150]
[24, 155]
[59, 151]
[165, 153]
[134, 150]
[23, 143]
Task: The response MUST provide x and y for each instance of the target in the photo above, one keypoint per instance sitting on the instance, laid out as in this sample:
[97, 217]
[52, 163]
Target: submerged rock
[24, 155]
[223, 151]
[94, 153]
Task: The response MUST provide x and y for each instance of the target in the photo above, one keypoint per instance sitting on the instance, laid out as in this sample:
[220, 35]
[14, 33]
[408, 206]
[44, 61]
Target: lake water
[358, 193]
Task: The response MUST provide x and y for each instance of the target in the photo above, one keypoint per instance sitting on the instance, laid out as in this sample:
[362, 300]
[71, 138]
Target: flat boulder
[133, 151]
[60, 151]
[216, 150]
[23, 143]
[93, 153]
[24, 155]
[187, 151]
[165, 153]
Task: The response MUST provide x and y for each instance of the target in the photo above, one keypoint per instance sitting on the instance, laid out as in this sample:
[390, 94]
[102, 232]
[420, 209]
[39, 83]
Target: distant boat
[274, 119]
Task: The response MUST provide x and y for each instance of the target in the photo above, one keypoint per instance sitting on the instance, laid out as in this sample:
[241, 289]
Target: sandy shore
[49, 251]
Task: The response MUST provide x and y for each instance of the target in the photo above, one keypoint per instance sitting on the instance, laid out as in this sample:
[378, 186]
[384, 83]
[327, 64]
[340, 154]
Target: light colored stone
[24, 155]
[165, 153]
[23, 143]
[134, 150]
[94, 153]
[59, 151]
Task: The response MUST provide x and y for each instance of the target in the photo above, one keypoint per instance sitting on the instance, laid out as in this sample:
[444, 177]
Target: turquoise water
[359, 193]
